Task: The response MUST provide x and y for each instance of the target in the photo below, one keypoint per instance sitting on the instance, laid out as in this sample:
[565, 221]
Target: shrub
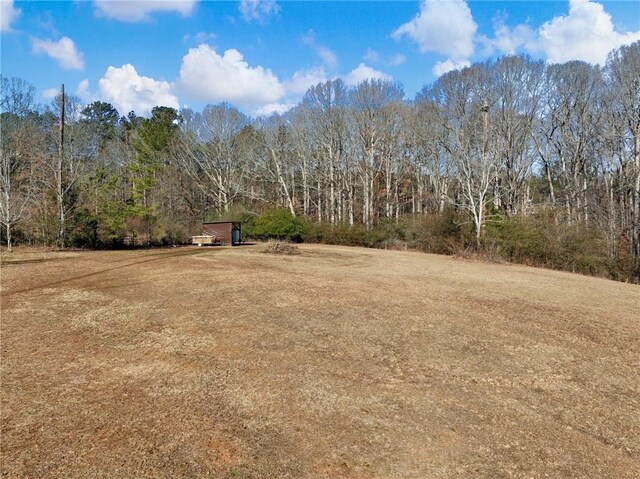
[280, 224]
[83, 231]
[518, 240]
[541, 241]
[448, 233]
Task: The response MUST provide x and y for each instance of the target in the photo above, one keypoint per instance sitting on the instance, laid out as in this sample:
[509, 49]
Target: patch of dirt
[335, 363]
[279, 247]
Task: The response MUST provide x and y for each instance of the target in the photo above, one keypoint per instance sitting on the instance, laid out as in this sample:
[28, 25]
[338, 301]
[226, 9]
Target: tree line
[498, 156]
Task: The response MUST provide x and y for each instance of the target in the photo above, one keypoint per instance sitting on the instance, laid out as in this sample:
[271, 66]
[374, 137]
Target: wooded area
[512, 158]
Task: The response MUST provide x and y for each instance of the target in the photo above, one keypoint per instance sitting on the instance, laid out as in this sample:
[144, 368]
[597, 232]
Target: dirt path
[340, 362]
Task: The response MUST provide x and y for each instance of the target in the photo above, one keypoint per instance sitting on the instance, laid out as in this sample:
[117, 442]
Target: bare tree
[17, 179]
[569, 126]
[432, 165]
[325, 113]
[210, 152]
[19, 138]
[17, 96]
[375, 119]
[517, 84]
[68, 161]
[277, 165]
[302, 143]
[623, 69]
[466, 98]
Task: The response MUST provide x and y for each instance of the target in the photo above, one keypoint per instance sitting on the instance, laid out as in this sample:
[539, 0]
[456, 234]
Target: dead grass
[340, 362]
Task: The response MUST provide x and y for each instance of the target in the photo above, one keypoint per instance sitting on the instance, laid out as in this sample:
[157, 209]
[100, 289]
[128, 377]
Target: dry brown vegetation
[279, 247]
[340, 362]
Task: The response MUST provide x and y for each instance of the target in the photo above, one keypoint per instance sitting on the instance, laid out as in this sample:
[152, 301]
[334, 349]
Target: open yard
[336, 363]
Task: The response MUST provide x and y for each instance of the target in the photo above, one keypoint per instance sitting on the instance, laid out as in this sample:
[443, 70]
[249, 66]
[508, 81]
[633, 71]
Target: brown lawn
[336, 363]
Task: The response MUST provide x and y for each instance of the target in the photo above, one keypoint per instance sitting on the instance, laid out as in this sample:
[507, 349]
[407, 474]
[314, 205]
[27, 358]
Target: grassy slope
[340, 362]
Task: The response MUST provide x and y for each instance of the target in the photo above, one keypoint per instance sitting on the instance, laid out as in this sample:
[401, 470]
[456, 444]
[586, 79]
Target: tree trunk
[8, 228]
[305, 188]
[332, 193]
[635, 233]
[552, 193]
[319, 202]
[351, 201]
[613, 240]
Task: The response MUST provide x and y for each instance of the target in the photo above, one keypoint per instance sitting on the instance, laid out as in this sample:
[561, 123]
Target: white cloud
[140, 10]
[271, 108]
[200, 37]
[397, 59]
[83, 91]
[207, 76]
[8, 14]
[302, 80]
[125, 89]
[363, 72]
[327, 55]
[442, 26]
[586, 33]
[296, 86]
[375, 57]
[507, 40]
[258, 10]
[64, 51]
[441, 68]
[50, 93]
[371, 55]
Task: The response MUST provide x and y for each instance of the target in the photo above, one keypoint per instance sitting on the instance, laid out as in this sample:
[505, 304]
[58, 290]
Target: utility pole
[59, 185]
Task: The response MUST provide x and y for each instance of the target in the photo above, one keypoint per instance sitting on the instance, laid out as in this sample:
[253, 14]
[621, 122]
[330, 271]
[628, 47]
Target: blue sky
[261, 55]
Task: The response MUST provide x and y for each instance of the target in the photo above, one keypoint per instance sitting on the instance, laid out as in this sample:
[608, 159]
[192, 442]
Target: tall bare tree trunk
[552, 192]
[319, 201]
[8, 228]
[635, 233]
[613, 240]
[351, 201]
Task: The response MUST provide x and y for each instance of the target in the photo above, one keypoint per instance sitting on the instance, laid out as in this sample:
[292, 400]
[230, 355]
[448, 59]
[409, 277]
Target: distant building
[219, 233]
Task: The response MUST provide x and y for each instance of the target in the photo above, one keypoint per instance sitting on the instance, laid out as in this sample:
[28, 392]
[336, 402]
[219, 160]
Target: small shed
[220, 232]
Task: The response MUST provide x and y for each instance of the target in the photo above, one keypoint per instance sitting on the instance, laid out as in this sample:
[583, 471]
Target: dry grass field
[334, 363]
